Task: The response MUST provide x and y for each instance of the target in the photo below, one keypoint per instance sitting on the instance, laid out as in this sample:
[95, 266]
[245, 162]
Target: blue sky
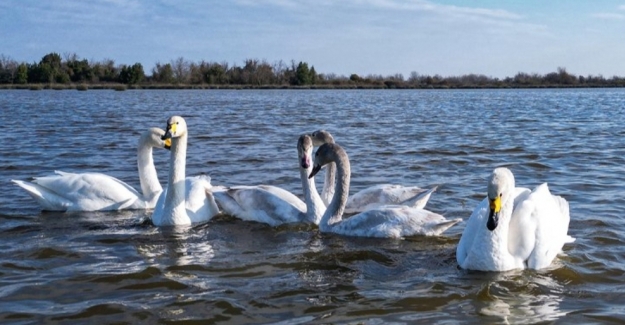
[446, 37]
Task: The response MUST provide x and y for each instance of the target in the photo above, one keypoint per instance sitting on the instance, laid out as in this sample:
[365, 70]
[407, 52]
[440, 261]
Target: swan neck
[328, 185]
[499, 236]
[334, 212]
[175, 199]
[314, 205]
[148, 178]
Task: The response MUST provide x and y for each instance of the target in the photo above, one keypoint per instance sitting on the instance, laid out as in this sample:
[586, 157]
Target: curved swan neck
[334, 212]
[148, 178]
[328, 185]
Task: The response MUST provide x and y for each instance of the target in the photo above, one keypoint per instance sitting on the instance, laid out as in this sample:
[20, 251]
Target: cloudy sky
[446, 37]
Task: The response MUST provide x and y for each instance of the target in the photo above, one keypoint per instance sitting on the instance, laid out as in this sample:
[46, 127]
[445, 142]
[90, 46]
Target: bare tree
[8, 69]
[181, 70]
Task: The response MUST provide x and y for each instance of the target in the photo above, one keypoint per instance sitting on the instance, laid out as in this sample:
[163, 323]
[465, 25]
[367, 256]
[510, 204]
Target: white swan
[184, 201]
[100, 192]
[273, 205]
[391, 221]
[374, 196]
[514, 228]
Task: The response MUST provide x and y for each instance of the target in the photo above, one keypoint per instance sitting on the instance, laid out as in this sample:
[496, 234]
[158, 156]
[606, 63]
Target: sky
[495, 38]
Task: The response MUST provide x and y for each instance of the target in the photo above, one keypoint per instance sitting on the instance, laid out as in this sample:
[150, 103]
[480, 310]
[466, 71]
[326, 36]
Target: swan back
[262, 203]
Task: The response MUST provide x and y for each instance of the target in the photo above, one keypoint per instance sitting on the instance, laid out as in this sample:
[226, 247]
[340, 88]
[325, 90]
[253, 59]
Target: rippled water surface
[115, 267]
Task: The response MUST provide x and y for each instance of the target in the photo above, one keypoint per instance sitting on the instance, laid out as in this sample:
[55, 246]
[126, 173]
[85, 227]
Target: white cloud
[608, 16]
[401, 5]
[621, 7]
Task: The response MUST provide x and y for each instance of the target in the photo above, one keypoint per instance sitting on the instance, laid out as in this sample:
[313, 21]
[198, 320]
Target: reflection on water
[175, 245]
[118, 268]
[515, 299]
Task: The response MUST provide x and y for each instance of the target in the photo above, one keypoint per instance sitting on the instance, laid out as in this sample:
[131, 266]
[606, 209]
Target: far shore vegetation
[54, 71]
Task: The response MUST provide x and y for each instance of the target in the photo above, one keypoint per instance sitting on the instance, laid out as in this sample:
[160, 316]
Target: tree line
[54, 69]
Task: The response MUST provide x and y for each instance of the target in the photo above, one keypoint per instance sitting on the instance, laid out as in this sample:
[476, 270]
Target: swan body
[372, 197]
[514, 228]
[186, 200]
[99, 192]
[390, 221]
[270, 204]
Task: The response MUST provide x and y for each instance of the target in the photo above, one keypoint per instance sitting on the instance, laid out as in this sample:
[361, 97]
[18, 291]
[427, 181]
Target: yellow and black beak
[170, 131]
[493, 214]
[168, 143]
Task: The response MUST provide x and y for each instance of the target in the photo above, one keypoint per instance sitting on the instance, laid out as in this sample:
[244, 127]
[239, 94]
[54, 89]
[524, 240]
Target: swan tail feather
[48, 200]
[420, 200]
[441, 227]
[212, 204]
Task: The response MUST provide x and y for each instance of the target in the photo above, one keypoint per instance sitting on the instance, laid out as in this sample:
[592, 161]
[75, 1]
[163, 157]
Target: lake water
[116, 268]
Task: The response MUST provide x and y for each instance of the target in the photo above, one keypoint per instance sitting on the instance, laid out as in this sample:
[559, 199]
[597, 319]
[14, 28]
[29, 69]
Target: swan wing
[83, 192]
[420, 198]
[538, 228]
[201, 206]
[265, 204]
[387, 194]
[285, 195]
[394, 222]
[47, 199]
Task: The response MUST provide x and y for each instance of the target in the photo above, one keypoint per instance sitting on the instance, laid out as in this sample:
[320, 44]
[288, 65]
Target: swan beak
[169, 132]
[305, 163]
[493, 214]
[168, 144]
[315, 170]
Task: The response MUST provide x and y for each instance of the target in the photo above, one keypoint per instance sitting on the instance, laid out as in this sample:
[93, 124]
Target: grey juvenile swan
[374, 196]
[273, 205]
[392, 221]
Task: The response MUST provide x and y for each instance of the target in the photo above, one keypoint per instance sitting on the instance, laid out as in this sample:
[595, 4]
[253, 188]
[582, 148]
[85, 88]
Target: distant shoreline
[147, 86]
[70, 72]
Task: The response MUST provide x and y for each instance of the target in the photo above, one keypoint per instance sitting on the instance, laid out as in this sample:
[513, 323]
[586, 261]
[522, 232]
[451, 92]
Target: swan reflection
[523, 299]
[180, 245]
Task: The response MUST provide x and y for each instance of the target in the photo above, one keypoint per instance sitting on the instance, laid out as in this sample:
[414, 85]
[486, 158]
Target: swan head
[176, 127]
[304, 150]
[327, 153]
[320, 137]
[152, 138]
[500, 187]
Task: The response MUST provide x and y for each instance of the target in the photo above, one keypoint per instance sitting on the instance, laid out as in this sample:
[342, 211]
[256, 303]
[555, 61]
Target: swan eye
[500, 194]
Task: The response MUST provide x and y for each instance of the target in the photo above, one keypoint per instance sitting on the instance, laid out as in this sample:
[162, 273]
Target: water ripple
[115, 267]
